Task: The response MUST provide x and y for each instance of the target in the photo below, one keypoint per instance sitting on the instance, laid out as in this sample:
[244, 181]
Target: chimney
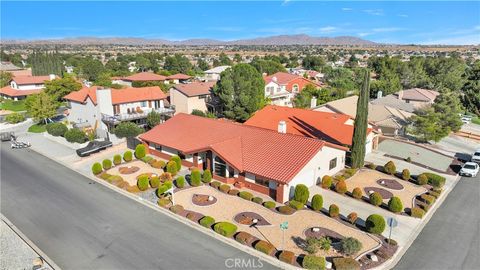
[52, 77]
[313, 102]
[400, 94]
[282, 127]
[379, 94]
[104, 101]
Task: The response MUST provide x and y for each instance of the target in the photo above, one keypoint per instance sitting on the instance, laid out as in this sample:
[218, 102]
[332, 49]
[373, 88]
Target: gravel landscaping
[318, 232]
[132, 177]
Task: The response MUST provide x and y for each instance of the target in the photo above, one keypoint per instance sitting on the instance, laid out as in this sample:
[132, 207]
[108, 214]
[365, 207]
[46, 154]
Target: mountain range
[301, 39]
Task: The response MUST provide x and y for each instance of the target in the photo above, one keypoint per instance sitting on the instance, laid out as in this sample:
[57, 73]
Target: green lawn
[476, 120]
[12, 105]
[37, 128]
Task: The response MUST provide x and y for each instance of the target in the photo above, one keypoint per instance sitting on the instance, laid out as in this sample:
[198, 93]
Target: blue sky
[390, 22]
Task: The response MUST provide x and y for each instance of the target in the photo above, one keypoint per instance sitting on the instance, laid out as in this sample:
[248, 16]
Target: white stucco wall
[184, 104]
[80, 113]
[14, 85]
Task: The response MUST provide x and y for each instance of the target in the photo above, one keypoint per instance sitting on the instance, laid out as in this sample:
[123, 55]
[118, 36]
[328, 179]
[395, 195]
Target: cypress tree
[361, 124]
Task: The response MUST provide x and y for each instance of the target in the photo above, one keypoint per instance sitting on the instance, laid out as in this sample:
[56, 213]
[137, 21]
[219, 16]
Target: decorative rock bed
[203, 200]
[249, 218]
[318, 232]
[385, 193]
[390, 184]
[128, 170]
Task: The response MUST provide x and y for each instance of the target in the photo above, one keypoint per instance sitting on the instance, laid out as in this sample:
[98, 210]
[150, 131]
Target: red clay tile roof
[145, 76]
[326, 126]
[21, 80]
[195, 89]
[263, 152]
[179, 76]
[119, 96]
[9, 91]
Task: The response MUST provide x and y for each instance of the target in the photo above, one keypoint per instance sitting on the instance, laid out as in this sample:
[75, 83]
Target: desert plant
[178, 162]
[224, 188]
[97, 168]
[75, 135]
[127, 156]
[286, 210]
[154, 181]
[233, 192]
[159, 164]
[207, 221]
[107, 164]
[257, 200]
[422, 179]
[323, 243]
[395, 204]
[341, 187]
[245, 195]
[287, 256]
[346, 263]
[375, 224]
[226, 229]
[301, 193]
[117, 160]
[405, 174]
[352, 217]
[313, 262]
[143, 182]
[265, 247]
[180, 182]
[244, 238]
[333, 211]
[215, 184]
[296, 205]
[376, 198]
[195, 178]
[172, 167]
[317, 202]
[390, 168]
[56, 129]
[326, 181]
[417, 212]
[350, 246]
[177, 209]
[207, 176]
[140, 151]
[357, 193]
[269, 204]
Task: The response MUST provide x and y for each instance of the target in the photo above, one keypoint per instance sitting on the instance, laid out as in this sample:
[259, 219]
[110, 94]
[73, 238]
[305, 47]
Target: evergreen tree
[361, 124]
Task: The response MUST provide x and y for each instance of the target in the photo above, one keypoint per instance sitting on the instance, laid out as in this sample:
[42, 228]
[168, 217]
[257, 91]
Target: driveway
[83, 225]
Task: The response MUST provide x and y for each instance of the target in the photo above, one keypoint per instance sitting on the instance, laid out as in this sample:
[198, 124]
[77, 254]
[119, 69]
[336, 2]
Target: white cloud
[387, 29]
[285, 2]
[374, 12]
[328, 29]
[363, 34]
[347, 9]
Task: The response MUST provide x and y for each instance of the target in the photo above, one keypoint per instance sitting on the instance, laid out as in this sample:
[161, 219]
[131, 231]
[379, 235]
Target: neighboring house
[332, 127]
[266, 161]
[22, 86]
[417, 96]
[214, 73]
[14, 70]
[102, 107]
[139, 77]
[282, 87]
[178, 78]
[394, 102]
[389, 120]
[191, 96]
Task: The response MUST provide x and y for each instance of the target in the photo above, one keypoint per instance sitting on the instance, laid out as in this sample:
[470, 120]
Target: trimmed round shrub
[301, 193]
[180, 182]
[143, 182]
[154, 181]
[15, 118]
[207, 176]
[178, 162]
[75, 135]
[333, 211]
[390, 168]
[429, 199]
[405, 174]
[313, 262]
[265, 247]
[56, 129]
[158, 164]
[417, 212]
[163, 202]
[233, 192]
[341, 187]
[317, 202]
[148, 159]
[172, 167]
[375, 224]
[195, 178]
[286, 210]
[296, 205]
[107, 164]
[244, 238]
[287, 256]
[352, 217]
[395, 205]
[140, 151]
[350, 246]
[326, 181]
[127, 156]
[245, 195]
[207, 221]
[269, 204]
[257, 200]
[177, 209]
[376, 199]
[97, 168]
[357, 193]
[422, 179]
[226, 229]
[163, 188]
[224, 188]
[346, 263]
[215, 184]
[117, 160]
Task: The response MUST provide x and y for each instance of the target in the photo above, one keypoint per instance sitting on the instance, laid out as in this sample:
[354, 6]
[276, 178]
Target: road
[83, 225]
[451, 239]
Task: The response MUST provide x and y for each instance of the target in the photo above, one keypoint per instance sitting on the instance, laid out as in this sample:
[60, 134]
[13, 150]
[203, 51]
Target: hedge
[117, 160]
[341, 187]
[257, 200]
[106, 164]
[177, 208]
[244, 238]
[97, 168]
[352, 217]
[140, 151]
[296, 205]
[207, 176]
[172, 167]
[215, 184]
[178, 162]
[434, 193]
[245, 195]
[390, 168]
[417, 212]
[163, 202]
[180, 182]
[376, 198]
[195, 178]
[127, 156]
[285, 209]
[233, 192]
[395, 204]
[226, 229]
[346, 264]
[301, 193]
[350, 246]
[357, 193]
[435, 180]
[207, 221]
[265, 247]
[75, 135]
[15, 118]
[371, 166]
[56, 129]
[148, 159]
[333, 210]
[326, 181]
[287, 256]
[313, 262]
[143, 182]
[405, 174]
[429, 199]
[375, 224]
[269, 204]
[154, 181]
[422, 179]
[317, 202]
[224, 188]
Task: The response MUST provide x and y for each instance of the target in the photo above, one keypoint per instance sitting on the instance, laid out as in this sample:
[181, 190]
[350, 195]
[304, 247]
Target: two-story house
[191, 96]
[282, 87]
[22, 86]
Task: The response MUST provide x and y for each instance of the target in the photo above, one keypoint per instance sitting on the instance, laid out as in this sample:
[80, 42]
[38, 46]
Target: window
[261, 182]
[295, 88]
[143, 104]
[220, 167]
[270, 90]
[333, 164]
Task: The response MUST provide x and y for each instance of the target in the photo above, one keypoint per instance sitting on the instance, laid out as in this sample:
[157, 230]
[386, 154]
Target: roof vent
[282, 127]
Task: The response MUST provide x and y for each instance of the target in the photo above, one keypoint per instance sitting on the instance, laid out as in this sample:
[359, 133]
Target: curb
[27, 241]
[271, 260]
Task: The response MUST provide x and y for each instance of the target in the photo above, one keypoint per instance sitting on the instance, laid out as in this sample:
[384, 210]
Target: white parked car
[470, 169]
[476, 156]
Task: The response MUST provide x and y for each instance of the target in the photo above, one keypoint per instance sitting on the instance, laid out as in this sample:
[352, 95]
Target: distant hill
[271, 40]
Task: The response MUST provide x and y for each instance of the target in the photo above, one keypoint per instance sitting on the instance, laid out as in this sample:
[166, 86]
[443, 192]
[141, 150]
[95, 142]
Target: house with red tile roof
[282, 87]
[139, 77]
[178, 78]
[97, 106]
[335, 128]
[21, 86]
[260, 159]
[191, 96]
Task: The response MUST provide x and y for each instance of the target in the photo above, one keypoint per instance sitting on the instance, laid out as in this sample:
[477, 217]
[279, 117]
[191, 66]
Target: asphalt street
[451, 239]
[83, 225]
